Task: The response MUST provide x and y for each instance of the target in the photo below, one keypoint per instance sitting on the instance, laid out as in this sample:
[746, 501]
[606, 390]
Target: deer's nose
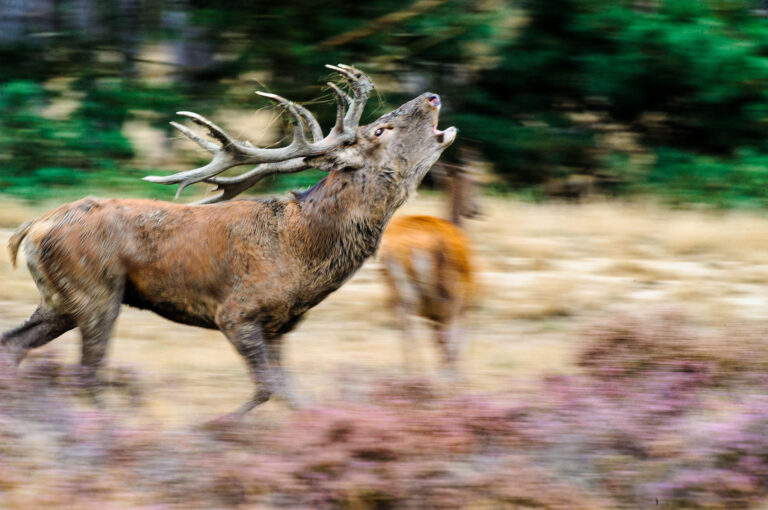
[434, 100]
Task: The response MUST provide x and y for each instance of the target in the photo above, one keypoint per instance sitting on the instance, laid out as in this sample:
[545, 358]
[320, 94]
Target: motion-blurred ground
[548, 273]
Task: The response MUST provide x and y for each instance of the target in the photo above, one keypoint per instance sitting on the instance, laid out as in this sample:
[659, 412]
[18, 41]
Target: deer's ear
[340, 159]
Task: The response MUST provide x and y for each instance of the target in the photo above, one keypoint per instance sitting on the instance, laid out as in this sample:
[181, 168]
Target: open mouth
[444, 137]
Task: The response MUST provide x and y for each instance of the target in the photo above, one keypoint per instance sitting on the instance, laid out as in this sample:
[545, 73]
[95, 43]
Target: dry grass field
[616, 360]
[547, 271]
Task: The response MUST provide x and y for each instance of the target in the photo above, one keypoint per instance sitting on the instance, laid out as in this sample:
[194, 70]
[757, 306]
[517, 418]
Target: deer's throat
[343, 217]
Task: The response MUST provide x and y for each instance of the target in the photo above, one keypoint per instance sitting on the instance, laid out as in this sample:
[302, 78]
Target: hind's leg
[449, 341]
[405, 299]
[43, 326]
[408, 345]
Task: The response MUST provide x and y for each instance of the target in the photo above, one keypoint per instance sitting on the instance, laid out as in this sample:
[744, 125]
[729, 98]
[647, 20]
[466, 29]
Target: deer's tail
[15, 241]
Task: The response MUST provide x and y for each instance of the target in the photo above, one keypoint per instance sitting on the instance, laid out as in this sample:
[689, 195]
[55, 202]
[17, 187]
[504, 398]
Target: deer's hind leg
[46, 323]
[95, 329]
[43, 326]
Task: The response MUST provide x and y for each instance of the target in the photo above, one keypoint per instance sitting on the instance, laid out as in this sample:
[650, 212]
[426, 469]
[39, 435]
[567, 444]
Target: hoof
[229, 427]
[226, 421]
[296, 403]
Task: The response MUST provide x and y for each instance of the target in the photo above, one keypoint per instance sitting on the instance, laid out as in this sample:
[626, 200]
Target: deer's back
[428, 265]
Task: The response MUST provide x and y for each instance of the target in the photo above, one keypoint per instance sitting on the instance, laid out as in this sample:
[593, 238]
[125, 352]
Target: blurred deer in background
[250, 268]
[429, 269]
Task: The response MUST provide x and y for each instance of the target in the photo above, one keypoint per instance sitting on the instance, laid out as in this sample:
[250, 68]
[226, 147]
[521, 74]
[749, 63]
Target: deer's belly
[177, 310]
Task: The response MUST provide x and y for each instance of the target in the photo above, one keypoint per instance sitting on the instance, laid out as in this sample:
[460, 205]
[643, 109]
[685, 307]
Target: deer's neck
[342, 220]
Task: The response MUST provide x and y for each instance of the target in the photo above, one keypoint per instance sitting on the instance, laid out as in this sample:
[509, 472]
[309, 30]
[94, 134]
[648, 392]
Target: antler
[228, 152]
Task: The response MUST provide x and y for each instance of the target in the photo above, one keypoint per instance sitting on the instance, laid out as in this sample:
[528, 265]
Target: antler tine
[343, 70]
[233, 186]
[214, 130]
[306, 116]
[218, 164]
[344, 95]
[229, 152]
[361, 86]
[314, 126]
[338, 128]
[184, 179]
[299, 140]
[202, 142]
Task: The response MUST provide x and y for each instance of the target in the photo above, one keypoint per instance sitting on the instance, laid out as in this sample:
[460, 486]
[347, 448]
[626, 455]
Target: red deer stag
[250, 268]
[428, 268]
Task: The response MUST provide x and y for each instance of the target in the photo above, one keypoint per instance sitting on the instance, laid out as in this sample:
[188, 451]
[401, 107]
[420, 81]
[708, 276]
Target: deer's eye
[378, 132]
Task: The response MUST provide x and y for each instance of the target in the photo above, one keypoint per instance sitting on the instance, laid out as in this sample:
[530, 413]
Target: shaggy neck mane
[342, 219]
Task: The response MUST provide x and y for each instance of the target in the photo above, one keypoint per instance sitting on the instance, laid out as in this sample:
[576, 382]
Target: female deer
[429, 269]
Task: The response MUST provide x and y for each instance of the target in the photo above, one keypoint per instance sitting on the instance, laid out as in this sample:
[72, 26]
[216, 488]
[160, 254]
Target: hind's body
[429, 272]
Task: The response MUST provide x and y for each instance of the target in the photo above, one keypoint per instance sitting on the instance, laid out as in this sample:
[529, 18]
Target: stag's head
[397, 148]
[407, 140]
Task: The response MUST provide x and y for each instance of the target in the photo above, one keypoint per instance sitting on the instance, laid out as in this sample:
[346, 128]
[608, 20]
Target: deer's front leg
[248, 339]
[282, 382]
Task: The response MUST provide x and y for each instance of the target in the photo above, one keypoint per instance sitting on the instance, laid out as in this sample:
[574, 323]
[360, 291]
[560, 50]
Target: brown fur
[448, 287]
[429, 270]
[250, 268]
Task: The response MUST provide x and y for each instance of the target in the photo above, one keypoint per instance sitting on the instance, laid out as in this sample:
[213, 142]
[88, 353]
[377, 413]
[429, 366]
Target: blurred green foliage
[544, 89]
[687, 79]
